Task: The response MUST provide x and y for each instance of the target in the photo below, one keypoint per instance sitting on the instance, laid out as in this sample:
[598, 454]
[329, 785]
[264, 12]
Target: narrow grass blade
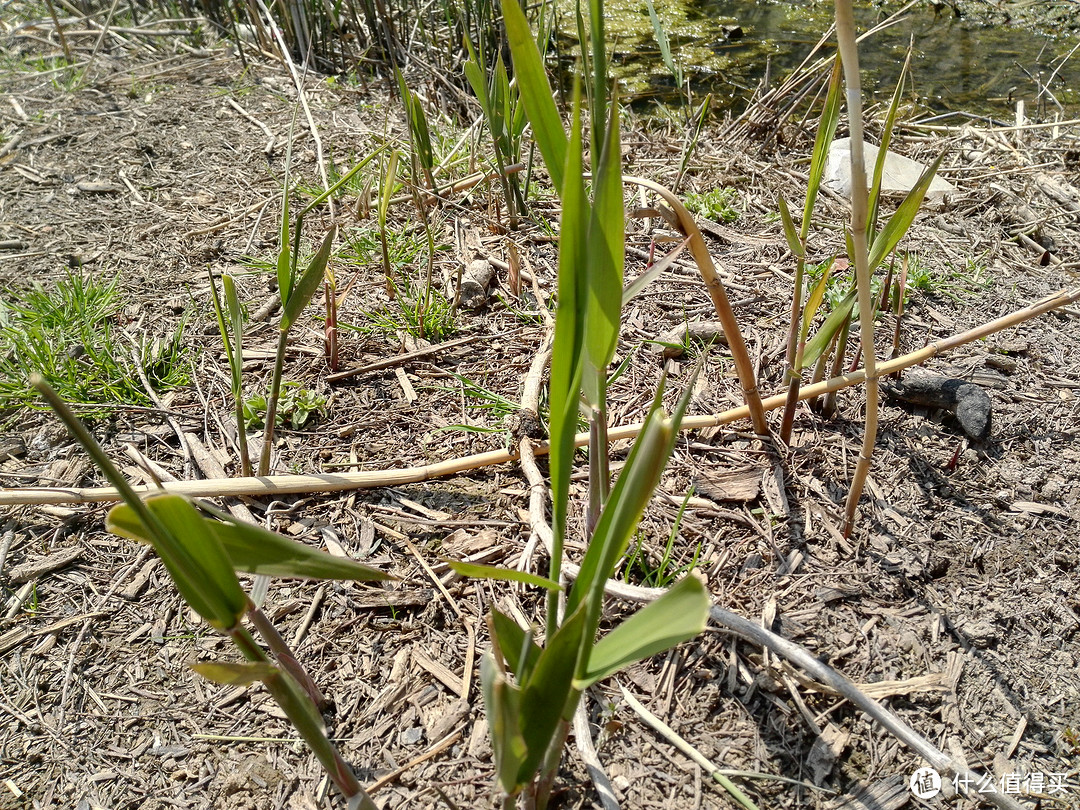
[638, 285]
[830, 115]
[345, 179]
[901, 220]
[504, 574]
[215, 299]
[662, 41]
[284, 259]
[883, 149]
[309, 282]
[599, 66]
[536, 93]
[678, 615]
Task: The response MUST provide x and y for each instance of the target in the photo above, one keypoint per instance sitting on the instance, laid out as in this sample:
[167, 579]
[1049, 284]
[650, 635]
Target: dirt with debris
[954, 602]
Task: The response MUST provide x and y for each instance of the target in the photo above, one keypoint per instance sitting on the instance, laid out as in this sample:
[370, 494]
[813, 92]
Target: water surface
[726, 46]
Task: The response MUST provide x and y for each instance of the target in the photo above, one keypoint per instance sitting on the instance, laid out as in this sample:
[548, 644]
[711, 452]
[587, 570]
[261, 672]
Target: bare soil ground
[957, 594]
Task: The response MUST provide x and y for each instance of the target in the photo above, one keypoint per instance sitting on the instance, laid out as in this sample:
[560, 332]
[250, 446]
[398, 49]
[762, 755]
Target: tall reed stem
[849, 55]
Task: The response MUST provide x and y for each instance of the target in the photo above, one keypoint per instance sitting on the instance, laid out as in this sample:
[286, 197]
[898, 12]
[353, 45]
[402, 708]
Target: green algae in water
[723, 47]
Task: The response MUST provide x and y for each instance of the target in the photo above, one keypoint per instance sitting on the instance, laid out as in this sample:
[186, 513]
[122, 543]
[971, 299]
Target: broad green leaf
[536, 93]
[824, 337]
[567, 359]
[229, 673]
[678, 615]
[505, 574]
[599, 67]
[546, 698]
[502, 700]
[814, 300]
[192, 554]
[902, 218]
[516, 646]
[606, 248]
[257, 550]
[632, 492]
[792, 236]
[825, 134]
[309, 282]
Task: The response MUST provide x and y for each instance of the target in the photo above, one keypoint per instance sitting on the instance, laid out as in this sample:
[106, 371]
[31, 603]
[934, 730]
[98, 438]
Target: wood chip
[406, 386]
[96, 188]
[737, 484]
[440, 673]
[36, 568]
[887, 794]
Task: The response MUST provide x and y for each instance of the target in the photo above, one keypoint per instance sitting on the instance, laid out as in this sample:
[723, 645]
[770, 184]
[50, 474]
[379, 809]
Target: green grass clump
[69, 335]
[428, 315]
[718, 204]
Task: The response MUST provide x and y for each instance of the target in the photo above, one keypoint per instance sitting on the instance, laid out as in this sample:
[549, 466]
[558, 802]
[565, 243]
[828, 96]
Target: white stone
[897, 179]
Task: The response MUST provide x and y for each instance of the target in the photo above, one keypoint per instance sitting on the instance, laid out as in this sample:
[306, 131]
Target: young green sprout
[202, 555]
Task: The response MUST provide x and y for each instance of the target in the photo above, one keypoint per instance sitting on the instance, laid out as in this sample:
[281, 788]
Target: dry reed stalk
[296, 484]
[698, 249]
[849, 57]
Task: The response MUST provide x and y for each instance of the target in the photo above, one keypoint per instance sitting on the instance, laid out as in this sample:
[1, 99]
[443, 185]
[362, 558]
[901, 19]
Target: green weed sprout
[296, 289]
[234, 354]
[202, 555]
[296, 292]
[505, 115]
[531, 692]
[802, 315]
